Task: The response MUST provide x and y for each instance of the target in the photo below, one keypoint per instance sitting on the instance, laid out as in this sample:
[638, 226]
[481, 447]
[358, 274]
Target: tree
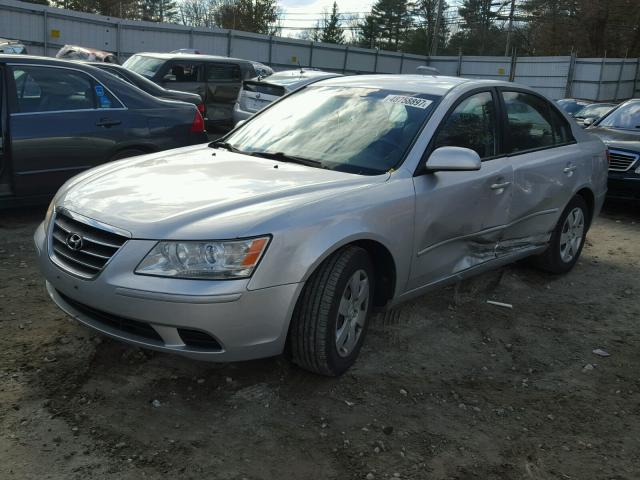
[393, 20]
[368, 32]
[158, 10]
[331, 30]
[420, 37]
[257, 16]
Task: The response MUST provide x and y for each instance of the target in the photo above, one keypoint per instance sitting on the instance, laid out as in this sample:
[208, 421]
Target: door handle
[106, 122]
[500, 186]
[569, 169]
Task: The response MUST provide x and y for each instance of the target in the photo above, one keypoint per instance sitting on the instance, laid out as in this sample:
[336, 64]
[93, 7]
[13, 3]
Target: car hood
[625, 139]
[198, 193]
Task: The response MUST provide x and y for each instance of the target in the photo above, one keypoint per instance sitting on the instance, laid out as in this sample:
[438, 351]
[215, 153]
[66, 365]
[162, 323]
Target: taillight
[201, 108]
[197, 126]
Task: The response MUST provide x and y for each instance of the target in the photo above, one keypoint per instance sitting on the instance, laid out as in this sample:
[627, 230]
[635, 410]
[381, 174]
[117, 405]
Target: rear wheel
[331, 318]
[126, 153]
[567, 238]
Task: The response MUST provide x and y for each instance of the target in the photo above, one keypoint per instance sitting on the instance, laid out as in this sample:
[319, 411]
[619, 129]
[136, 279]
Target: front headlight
[214, 260]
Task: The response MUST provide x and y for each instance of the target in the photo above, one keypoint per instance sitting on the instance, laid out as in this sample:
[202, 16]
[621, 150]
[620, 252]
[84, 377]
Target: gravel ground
[447, 387]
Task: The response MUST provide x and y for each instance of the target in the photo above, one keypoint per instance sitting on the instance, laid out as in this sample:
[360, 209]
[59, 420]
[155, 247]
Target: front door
[459, 215]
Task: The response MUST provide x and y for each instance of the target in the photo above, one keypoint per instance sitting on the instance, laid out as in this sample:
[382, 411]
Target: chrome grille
[620, 161]
[88, 258]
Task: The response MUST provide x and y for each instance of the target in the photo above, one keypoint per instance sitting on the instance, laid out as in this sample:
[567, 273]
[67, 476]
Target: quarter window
[532, 123]
[184, 72]
[471, 125]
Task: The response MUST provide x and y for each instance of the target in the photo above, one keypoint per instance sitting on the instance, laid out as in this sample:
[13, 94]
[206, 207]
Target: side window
[45, 89]
[471, 125]
[184, 72]
[532, 123]
[223, 73]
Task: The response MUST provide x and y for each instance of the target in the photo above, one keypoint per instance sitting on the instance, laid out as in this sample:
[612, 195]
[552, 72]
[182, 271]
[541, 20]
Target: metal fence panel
[45, 29]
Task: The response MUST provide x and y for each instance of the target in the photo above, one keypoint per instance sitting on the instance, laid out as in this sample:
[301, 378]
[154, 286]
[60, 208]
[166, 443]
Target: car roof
[304, 73]
[191, 56]
[432, 85]
[9, 58]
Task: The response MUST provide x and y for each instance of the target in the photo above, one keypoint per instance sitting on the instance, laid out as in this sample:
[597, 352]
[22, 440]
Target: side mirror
[587, 121]
[453, 159]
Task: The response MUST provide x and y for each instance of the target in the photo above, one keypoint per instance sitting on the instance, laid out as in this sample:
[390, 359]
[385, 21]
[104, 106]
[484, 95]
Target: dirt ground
[448, 387]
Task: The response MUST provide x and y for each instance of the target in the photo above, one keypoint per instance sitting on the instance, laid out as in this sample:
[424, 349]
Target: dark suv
[217, 80]
[58, 118]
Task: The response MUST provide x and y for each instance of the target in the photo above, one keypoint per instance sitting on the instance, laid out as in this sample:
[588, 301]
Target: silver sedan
[350, 195]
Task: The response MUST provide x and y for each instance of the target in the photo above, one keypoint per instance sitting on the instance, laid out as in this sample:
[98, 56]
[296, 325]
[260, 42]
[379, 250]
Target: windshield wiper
[283, 157]
[225, 145]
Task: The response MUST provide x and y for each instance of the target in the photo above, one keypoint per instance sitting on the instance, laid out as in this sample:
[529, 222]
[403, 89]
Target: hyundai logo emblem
[74, 241]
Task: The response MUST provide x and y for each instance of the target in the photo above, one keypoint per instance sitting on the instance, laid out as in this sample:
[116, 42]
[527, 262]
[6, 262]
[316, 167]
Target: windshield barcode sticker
[409, 101]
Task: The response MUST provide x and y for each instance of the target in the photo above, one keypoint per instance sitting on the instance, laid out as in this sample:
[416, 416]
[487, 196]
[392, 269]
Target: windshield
[145, 66]
[356, 130]
[595, 110]
[625, 117]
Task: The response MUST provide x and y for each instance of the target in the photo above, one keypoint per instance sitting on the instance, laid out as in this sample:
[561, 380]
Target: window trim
[95, 81]
[505, 121]
[420, 170]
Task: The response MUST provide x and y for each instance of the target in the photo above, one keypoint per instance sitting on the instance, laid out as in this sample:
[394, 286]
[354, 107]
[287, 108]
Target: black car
[620, 130]
[58, 118]
[217, 80]
[148, 86]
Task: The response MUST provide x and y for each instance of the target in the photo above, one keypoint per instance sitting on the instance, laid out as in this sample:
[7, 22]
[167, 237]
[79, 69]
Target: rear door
[54, 126]
[224, 81]
[547, 164]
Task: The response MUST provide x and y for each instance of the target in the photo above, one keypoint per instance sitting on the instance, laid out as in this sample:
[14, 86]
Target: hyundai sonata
[351, 194]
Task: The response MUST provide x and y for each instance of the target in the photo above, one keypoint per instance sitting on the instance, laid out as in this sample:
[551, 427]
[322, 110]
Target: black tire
[313, 331]
[126, 153]
[552, 259]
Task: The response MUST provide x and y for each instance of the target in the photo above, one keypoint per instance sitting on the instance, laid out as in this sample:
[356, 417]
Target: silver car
[351, 194]
[258, 93]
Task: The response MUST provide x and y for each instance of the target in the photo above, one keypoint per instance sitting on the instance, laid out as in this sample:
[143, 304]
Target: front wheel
[567, 238]
[331, 317]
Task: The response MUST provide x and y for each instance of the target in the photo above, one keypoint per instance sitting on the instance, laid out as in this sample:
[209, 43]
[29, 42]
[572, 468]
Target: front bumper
[624, 185]
[155, 312]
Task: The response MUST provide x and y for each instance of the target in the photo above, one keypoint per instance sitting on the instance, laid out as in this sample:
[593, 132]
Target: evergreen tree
[332, 31]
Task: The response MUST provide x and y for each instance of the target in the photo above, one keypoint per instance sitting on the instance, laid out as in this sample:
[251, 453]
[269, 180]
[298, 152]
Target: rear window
[145, 66]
